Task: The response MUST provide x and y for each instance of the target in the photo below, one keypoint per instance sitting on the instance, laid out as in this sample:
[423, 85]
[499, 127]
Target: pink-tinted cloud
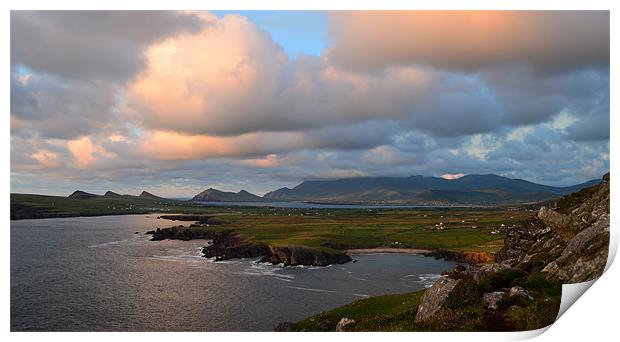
[231, 79]
[470, 40]
[269, 161]
[451, 176]
[46, 158]
[85, 153]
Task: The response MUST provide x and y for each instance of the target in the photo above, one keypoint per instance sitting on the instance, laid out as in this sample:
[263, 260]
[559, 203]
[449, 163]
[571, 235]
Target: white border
[594, 315]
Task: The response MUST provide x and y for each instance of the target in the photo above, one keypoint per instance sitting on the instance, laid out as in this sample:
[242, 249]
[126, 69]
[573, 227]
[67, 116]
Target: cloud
[231, 79]
[56, 108]
[177, 107]
[46, 158]
[88, 45]
[481, 145]
[519, 133]
[452, 175]
[269, 161]
[172, 145]
[85, 153]
[470, 40]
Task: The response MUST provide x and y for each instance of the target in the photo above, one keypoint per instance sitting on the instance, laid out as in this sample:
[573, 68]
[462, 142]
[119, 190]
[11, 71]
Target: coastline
[468, 257]
[386, 250]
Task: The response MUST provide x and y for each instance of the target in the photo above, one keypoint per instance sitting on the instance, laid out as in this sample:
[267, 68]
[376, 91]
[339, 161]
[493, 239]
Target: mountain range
[79, 194]
[224, 196]
[470, 189]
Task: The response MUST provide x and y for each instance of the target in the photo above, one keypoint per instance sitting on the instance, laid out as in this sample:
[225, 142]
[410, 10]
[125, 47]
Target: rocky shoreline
[225, 245]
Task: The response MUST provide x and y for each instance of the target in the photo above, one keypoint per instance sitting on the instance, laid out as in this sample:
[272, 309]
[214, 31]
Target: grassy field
[464, 229]
[399, 228]
[382, 313]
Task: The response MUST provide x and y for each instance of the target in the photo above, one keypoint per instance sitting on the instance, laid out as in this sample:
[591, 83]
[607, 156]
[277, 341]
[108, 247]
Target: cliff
[566, 242]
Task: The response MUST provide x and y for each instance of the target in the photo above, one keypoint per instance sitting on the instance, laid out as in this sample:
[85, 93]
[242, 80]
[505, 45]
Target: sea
[103, 274]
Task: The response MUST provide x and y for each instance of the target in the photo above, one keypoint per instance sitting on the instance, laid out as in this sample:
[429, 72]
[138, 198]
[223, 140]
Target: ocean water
[96, 274]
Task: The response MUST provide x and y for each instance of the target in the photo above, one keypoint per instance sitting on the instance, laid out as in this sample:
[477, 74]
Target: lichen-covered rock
[491, 300]
[585, 256]
[559, 223]
[344, 322]
[434, 299]
[487, 269]
[570, 241]
[518, 291]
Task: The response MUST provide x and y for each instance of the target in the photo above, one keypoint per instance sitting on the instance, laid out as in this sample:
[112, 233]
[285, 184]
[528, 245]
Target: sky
[177, 102]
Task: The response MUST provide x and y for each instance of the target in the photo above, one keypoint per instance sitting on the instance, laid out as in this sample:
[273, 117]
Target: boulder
[491, 300]
[434, 299]
[518, 291]
[344, 322]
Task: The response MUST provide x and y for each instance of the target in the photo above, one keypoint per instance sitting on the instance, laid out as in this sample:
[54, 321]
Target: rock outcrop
[569, 238]
[226, 244]
[566, 242]
[343, 324]
[435, 298]
[299, 255]
[181, 233]
[229, 245]
[585, 256]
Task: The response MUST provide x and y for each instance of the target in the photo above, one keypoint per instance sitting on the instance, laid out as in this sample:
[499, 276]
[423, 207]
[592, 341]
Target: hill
[79, 194]
[470, 189]
[148, 195]
[224, 196]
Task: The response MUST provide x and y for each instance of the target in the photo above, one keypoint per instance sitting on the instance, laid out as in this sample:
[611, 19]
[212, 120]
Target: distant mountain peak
[112, 194]
[148, 195]
[215, 195]
[79, 194]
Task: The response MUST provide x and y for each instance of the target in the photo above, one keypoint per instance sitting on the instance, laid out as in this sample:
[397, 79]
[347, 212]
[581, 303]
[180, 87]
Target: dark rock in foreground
[227, 245]
[181, 233]
[231, 246]
[293, 256]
